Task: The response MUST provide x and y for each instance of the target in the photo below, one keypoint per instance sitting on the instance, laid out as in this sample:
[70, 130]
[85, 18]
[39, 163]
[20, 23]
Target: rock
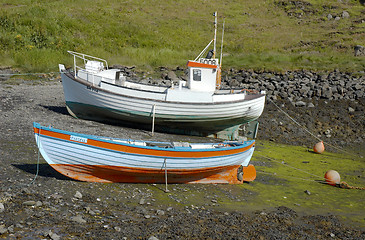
[55, 196]
[3, 229]
[2, 208]
[118, 229]
[53, 236]
[78, 219]
[310, 105]
[345, 14]
[160, 212]
[359, 50]
[38, 204]
[152, 238]
[142, 201]
[234, 83]
[327, 93]
[78, 195]
[351, 110]
[11, 229]
[329, 16]
[171, 75]
[300, 104]
[307, 192]
[337, 18]
[29, 203]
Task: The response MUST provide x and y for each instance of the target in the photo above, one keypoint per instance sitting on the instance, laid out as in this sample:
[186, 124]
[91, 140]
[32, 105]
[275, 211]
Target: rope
[331, 145]
[36, 175]
[289, 166]
[304, 179]
[345, 185]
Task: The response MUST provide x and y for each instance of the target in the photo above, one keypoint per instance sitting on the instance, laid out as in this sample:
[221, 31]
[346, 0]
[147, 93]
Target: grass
[262, 35]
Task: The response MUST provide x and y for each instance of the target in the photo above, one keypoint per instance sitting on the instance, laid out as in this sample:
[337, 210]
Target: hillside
[276, 35]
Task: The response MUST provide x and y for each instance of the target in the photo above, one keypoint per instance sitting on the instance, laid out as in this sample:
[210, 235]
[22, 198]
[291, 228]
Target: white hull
[196, 111]
[103, 159]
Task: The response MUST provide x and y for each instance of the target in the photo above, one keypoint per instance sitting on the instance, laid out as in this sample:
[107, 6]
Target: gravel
[51, 206]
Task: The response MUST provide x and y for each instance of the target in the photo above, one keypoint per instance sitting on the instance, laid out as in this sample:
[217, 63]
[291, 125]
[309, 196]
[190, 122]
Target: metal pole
[153, 118]
[220, 62]
[166, 190]
[215, 33]
[75, 65]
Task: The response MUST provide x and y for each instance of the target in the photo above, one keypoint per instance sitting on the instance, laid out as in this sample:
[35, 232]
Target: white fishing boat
[197, 106]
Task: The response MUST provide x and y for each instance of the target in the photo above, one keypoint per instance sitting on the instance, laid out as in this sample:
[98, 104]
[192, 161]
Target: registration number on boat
[78, 139]
[92, 89]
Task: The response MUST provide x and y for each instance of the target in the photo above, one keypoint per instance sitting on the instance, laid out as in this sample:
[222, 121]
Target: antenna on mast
[215, 33]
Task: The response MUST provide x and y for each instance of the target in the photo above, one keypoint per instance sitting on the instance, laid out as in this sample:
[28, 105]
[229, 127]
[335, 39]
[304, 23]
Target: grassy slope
[271, 35]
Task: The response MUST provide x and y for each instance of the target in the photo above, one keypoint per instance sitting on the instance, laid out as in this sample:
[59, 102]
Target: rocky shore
[45, 205]
[302, 106]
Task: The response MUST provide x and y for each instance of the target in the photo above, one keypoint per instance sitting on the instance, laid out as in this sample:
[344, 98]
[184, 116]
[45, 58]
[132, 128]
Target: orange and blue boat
[103, 159]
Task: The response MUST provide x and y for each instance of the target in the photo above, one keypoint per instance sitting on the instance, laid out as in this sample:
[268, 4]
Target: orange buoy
[319, 147]
[332, 177]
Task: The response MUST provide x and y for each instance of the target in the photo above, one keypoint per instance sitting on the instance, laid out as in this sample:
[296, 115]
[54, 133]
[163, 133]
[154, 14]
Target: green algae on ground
[293, 176]
[290, 176]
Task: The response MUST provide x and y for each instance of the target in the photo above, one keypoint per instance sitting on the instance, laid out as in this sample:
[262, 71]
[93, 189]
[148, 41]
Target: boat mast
[215, 33]
[220, 61]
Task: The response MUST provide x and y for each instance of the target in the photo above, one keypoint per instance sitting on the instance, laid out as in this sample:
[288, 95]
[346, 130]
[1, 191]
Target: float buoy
[332, 177]
[319, 147]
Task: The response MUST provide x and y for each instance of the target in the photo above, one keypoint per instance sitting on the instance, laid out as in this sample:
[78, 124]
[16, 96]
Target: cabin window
[197, 75]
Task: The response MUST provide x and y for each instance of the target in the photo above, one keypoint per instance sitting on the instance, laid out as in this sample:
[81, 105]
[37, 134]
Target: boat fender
[210, 54]
[319, 147]
[333, 178]
[246, 174]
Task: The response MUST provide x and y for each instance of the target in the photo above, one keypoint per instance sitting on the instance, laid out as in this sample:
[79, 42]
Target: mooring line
[39, 143]
[304, 128]
[288, 165]
[304, 179]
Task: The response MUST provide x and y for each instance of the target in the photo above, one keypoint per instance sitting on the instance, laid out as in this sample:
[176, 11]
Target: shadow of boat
[44, 170]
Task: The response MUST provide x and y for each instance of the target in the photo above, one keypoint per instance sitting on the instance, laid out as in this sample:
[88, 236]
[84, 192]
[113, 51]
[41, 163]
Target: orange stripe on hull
[98, 173]
[144, 151]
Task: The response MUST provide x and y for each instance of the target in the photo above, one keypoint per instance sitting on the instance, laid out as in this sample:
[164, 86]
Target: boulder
[359, 50]
[345, 14]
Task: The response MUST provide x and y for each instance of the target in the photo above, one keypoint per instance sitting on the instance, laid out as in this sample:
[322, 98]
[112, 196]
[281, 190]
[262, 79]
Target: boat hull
[136, 108]
[94, 159]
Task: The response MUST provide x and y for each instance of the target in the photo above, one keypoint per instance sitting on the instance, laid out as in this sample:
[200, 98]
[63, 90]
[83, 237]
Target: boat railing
[85, 58]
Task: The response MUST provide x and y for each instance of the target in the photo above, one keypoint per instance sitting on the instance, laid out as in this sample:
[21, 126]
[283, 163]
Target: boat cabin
[203, 74]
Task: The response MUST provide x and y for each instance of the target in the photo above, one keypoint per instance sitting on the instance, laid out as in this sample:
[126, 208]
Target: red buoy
[332, 177]
[319, 147]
